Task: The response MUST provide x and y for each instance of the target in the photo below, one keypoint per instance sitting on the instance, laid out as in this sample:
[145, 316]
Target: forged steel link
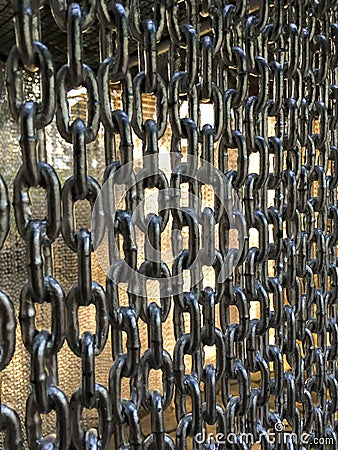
[250, 203]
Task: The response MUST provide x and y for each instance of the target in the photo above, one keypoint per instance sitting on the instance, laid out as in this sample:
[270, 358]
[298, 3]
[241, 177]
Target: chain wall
[214, 302]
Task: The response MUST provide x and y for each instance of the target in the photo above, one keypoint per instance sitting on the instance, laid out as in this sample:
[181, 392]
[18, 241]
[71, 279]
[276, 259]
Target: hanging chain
[263, 305]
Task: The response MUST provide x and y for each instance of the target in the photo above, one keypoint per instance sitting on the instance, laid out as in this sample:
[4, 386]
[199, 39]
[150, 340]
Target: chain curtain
[236, 254]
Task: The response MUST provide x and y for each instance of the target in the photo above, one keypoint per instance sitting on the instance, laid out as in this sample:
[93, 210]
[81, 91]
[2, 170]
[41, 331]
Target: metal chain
[267, 152]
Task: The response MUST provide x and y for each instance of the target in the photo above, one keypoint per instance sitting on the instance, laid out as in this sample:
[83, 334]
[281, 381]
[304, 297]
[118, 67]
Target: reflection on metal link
[250, 200]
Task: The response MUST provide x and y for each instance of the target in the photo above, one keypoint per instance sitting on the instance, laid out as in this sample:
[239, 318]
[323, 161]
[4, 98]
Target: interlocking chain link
[249, 99]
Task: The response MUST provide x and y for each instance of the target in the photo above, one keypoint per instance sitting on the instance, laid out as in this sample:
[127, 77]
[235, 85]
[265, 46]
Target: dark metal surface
[55, 39]
[270, 77]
